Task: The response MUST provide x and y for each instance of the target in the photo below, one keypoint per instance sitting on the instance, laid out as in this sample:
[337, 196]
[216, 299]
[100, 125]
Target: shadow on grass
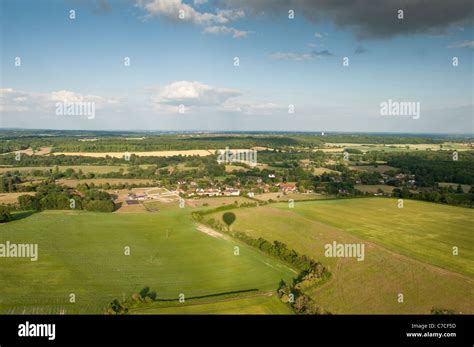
[118, 205]
[211, 295]
[21, 215]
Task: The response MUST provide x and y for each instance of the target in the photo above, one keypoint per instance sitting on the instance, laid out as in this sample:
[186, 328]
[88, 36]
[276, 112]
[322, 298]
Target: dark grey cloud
[300, 56]
[98, 7]
[369, 19]
[102, 7]
[360, 50]
[323, 53]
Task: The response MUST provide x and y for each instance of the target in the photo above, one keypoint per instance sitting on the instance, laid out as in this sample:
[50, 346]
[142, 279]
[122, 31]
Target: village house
[288, 187]
[400, 176]
[231, 192]
[208, 192]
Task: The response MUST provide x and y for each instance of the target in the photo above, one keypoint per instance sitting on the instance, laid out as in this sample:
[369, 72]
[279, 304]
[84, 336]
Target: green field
[408, 251]
[372, 168]
[251, 305]
[83, 253]
[374, 188]
[422, 230]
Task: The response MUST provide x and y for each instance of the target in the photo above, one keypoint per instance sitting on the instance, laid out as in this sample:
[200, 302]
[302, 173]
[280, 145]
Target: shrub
[5, 215]
[100, 206]
[28, 202]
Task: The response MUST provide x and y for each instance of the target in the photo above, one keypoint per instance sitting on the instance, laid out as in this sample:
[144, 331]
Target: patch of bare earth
[211, 232]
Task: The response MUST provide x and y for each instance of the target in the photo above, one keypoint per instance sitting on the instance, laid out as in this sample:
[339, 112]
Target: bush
[5, 215]
[100, 206]
[28, 202]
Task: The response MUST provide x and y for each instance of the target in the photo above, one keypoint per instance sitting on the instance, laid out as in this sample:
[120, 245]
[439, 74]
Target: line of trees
[444, 195]
[299, 301]
[50, 196]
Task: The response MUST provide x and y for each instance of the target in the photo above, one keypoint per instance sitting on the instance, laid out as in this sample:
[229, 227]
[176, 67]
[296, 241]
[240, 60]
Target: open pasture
[407, 251]
[84, 253]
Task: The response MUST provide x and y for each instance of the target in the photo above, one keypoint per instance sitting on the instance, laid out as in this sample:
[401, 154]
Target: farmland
[167, 254]
[10, 198]
[277, 196]
[90, 202]
[411, 254]
[372, 168]
[335, 147]
[374, 188]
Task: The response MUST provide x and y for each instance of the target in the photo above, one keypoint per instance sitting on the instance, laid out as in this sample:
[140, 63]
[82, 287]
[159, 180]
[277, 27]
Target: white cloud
[462, 44]
[226, 31]
[12, 100]
[70, 97]
[191, 94]
[196, 95]
[171, 9]
[231, 14]
[318, 35]
[251, 108]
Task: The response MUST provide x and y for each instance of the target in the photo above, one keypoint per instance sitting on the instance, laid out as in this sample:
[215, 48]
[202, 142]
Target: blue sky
[190, 62]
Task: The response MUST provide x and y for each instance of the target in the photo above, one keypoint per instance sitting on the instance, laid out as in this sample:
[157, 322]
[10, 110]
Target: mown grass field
[374, 188]
[217, 201]
[407, 251]
[371, 168]
[422, 230]
[251, 305]
[400, 147]
[279, 196]
[83, 253]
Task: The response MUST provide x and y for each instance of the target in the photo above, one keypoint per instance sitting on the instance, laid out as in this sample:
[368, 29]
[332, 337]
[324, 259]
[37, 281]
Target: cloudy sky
[288, 65]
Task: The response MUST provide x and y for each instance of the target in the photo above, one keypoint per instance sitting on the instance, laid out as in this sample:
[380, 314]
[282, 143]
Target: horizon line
[242, 131]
